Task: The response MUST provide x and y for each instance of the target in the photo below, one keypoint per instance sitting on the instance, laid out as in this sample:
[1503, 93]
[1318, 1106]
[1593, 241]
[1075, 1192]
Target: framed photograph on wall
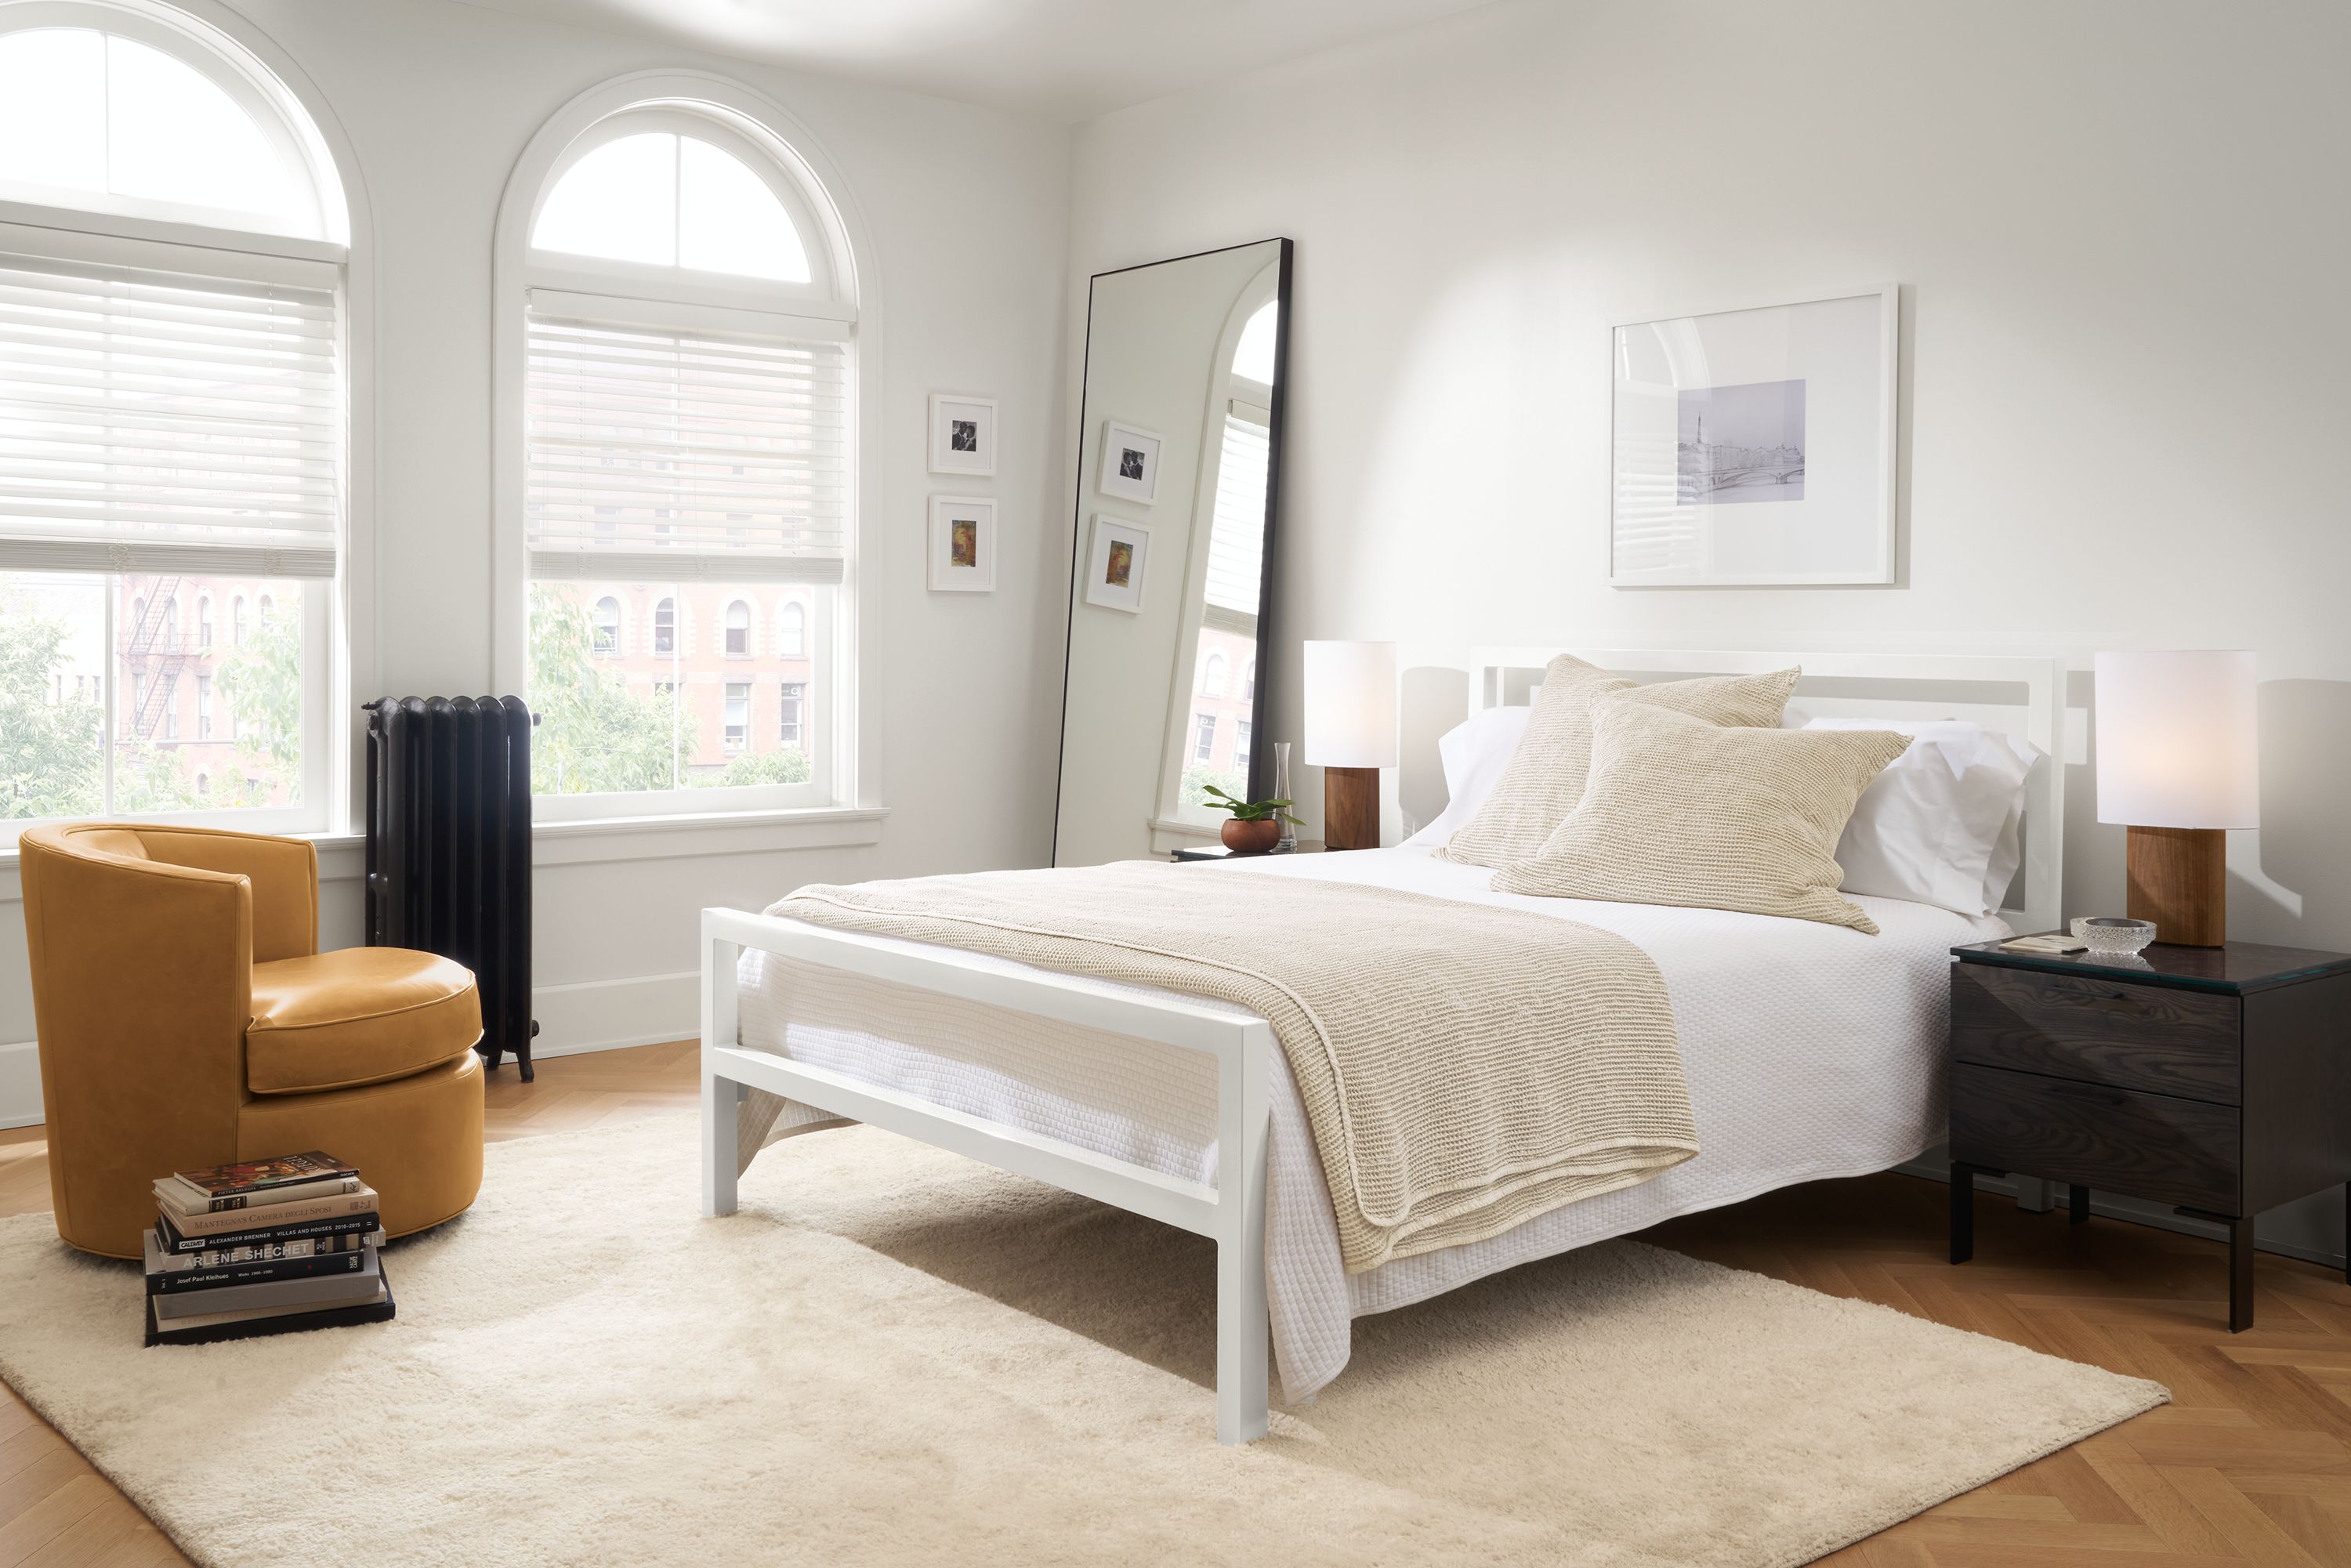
[963, 544]
[1117, 564]
[1129, 467]
[1755, 446]
[963, 434]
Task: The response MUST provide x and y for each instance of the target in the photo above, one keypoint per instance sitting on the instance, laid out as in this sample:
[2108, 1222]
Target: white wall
[2120, 232]
[966, 209]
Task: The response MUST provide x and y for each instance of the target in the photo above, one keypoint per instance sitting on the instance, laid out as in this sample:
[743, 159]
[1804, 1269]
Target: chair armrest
[142, 986]
[284, 874]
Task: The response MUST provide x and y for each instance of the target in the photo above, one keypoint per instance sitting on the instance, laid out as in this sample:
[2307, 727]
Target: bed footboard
[1231, 1213]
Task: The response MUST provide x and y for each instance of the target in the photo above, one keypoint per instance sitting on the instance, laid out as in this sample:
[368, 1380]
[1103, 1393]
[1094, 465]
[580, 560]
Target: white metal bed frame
[1232, 1213]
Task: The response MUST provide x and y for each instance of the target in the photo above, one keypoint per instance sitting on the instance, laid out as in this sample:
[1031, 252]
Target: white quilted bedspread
[1811, 1052]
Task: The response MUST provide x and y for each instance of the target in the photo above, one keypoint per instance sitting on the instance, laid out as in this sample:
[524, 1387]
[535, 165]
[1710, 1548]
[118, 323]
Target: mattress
[1809, 1051]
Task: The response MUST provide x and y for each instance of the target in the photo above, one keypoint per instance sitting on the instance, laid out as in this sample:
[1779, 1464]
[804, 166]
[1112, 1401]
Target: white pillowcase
[1941, 825]
[1474, 752]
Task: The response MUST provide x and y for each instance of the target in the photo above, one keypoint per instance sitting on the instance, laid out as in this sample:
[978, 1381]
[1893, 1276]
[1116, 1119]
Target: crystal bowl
[2111, 934]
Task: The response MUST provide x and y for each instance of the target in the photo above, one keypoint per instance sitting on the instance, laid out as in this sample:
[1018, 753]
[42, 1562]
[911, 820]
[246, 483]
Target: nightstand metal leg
[2241, 1275]
[1963, 1211]
[2078, 1204]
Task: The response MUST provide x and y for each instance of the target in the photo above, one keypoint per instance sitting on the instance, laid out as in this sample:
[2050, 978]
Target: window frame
[662, 281]
[845, 749]
[259, 87]
[103, 229]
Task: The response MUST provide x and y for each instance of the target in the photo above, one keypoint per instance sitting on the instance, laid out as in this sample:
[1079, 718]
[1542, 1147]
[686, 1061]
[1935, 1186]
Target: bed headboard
[2019, 695]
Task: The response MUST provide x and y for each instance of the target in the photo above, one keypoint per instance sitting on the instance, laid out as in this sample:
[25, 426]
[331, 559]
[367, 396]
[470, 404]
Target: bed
[1807, 1054]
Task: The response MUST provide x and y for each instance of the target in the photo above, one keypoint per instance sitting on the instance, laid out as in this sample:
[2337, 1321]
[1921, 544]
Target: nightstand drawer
[2151, 1145]
[2151, 1038]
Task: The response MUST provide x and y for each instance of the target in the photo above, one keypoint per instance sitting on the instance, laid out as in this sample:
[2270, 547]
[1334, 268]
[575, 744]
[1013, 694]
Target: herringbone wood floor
[2250, 1463]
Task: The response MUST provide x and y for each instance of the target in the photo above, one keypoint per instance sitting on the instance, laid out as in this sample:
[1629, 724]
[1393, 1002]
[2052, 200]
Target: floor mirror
[1178, 473]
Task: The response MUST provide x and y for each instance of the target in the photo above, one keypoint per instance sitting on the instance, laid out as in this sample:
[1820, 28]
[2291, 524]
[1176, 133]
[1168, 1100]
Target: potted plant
[1256, 825]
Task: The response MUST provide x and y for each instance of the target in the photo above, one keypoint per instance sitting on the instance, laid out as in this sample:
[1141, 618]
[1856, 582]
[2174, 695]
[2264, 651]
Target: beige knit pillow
[1544, 778]
[1686, 812]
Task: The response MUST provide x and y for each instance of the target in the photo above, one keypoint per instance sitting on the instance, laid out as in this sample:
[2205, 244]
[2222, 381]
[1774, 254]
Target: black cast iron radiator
[448, 848]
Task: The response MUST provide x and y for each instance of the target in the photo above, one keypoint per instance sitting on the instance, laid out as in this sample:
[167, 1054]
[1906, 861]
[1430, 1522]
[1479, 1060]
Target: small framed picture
[1116, 565]
[962, 544]
[1130, 463]
[963, 434]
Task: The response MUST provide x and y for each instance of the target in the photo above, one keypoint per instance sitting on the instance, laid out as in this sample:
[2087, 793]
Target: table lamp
[1350, 734]
[2178, 764]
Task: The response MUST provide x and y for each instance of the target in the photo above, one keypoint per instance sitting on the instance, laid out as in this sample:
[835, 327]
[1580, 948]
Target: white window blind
[667, 452]
[1236, 536]
[154, 422]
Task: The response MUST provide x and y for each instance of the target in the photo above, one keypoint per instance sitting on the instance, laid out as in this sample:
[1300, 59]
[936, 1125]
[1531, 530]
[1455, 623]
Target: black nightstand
[2217, 1080]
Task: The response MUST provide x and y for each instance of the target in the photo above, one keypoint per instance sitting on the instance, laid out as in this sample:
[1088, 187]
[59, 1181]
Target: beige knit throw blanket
[1464, 1068]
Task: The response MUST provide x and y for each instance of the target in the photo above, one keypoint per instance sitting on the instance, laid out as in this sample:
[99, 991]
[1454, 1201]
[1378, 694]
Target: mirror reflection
[1167, 667]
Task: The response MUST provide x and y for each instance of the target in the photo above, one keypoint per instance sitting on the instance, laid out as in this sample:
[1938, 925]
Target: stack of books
[263, 1247]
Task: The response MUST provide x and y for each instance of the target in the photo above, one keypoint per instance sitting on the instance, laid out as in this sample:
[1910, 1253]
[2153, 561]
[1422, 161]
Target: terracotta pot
[1252, 838]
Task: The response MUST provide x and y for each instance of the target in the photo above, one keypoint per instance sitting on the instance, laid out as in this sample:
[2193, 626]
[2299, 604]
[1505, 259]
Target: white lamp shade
[2178, 742]
[1351, 704]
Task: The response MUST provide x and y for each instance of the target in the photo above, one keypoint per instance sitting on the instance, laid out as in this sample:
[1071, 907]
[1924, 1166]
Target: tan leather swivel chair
[187, 1018]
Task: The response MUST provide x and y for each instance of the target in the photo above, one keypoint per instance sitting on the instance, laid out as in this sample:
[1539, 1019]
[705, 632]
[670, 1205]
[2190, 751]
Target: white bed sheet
[1809, 1051]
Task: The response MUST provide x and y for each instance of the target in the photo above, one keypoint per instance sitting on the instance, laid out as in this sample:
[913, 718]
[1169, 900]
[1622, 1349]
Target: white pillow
[1474, 752]
[1940, 826]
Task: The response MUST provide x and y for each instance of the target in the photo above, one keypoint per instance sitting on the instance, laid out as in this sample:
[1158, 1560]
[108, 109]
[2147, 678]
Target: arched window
[236, 621]
[1249, 682]
[268, 609]
[1212, 675]
[1253, 355]
[144, 117]
[664, 198]
[607, 626]
[665, 248]
[204, 784]
[174, 272]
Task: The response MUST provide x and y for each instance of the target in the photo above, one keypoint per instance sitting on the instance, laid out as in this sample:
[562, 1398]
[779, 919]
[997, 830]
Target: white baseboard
[611, 1015]
[597, 1015]
[20, 1084]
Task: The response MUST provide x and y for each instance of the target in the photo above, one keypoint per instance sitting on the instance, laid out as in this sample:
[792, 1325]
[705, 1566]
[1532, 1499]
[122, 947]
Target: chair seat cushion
[358, 1015]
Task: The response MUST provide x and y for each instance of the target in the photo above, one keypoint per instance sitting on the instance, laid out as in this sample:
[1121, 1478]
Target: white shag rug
[892, 1356]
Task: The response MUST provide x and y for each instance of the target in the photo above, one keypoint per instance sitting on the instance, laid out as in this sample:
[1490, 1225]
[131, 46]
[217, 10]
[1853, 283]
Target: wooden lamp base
[2179, 878]
[1350, 809]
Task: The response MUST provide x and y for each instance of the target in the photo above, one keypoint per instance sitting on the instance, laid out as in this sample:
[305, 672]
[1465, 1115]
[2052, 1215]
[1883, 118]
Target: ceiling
[1065, 60]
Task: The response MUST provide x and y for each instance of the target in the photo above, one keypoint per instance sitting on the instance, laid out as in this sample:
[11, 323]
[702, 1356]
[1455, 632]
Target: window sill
[342, 857]
[689, 834]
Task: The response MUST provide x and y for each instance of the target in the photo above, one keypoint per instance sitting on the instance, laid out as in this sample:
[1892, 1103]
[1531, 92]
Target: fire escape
[156, 652]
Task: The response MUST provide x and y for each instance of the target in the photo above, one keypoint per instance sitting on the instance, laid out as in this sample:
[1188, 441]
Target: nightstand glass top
[2239, 967]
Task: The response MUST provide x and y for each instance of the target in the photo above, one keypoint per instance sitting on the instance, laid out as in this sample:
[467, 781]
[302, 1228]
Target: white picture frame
[1118, 564]
[963, 434]
[1128, 466]
[962, 553]
[1755, 446]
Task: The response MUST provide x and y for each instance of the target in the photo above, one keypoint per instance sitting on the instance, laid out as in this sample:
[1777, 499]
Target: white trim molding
[20, 1084]
[612, 1015]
